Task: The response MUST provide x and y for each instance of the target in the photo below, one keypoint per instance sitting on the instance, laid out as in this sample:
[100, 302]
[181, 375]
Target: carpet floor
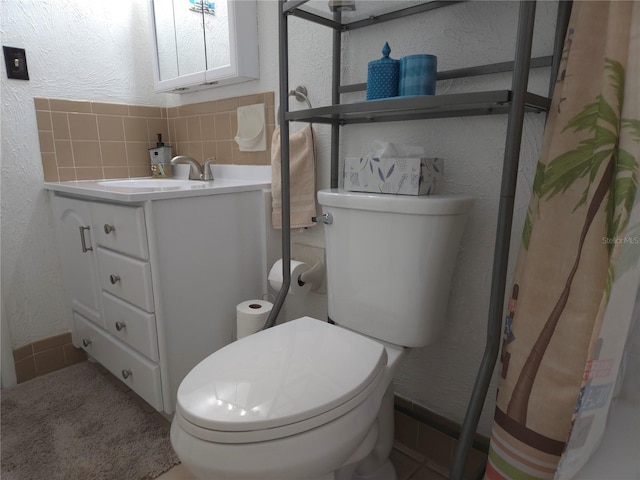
[76, 424]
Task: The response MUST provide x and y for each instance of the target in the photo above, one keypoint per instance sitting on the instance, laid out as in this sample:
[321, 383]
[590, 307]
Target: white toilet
[309, 400]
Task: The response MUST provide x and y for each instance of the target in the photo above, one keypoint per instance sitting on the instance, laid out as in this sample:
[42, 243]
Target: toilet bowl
[311, 400]
[298, 401]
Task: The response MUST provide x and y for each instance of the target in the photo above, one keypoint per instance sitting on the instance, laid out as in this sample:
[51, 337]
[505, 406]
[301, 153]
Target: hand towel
[302, 170]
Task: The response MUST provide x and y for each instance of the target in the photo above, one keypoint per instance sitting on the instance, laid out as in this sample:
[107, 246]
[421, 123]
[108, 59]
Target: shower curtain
[578, 271]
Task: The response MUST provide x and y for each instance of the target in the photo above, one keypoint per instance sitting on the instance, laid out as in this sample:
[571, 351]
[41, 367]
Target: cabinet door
[203, 45]
[77, 256]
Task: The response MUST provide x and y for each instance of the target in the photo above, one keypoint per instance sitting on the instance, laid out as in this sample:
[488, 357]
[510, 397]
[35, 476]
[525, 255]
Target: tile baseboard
[430, 439]
[45, 356]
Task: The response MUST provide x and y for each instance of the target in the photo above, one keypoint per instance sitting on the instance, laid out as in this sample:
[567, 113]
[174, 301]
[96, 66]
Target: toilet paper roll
[251, 316]
[297, 269]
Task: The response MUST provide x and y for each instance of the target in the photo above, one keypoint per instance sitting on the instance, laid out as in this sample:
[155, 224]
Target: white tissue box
[402, 176]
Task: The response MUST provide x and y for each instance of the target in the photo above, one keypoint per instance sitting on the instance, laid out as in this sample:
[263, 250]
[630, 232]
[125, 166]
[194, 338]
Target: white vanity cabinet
[106, 264]
[153, 285]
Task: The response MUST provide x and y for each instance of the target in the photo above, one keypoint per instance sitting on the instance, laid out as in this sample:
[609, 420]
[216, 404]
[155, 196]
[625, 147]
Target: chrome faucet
[197, 171]
[207, 174]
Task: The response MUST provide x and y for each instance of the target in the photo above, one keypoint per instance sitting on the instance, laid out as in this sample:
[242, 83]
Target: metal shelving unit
[416, 108]
[513, 102]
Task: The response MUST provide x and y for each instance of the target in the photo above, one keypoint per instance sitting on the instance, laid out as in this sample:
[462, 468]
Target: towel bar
[301, 95]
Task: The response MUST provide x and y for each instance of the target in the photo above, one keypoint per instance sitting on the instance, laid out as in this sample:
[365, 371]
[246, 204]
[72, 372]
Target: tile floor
[408, 467]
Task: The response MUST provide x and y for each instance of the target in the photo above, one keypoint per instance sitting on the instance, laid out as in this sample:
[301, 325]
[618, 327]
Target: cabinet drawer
[126, 277]
[120, 228]
[138, 373]
[131, 325]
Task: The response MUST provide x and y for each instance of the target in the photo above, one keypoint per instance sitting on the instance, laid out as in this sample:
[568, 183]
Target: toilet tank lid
[417, 205]
[279, 376]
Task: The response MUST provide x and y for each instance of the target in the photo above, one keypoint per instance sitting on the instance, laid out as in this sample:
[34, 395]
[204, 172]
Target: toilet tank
[390, 260]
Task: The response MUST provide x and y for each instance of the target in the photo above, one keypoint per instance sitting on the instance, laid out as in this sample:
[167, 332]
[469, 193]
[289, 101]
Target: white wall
[100, 51]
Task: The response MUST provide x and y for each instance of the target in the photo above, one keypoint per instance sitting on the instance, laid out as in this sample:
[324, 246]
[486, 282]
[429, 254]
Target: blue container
[418, 75]
[383, 76]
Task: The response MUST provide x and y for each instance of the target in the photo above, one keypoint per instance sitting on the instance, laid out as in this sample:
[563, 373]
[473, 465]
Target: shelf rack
[513, 102]
[417, 108]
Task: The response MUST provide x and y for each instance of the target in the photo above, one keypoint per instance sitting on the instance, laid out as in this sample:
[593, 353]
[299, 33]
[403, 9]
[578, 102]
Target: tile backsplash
[81, 140]
[204, 130]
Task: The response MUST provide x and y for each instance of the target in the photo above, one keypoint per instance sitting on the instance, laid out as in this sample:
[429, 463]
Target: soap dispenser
[160, 159]
[383, 76]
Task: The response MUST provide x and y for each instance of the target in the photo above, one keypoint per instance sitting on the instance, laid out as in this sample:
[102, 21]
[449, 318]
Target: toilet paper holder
[302, 276]
[312, 275]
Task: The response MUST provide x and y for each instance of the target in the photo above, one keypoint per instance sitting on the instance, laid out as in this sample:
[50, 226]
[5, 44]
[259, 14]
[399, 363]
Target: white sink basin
[153, 183]
[230, 179]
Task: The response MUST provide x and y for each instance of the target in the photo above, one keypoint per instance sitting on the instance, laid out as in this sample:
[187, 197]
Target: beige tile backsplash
[91, 140]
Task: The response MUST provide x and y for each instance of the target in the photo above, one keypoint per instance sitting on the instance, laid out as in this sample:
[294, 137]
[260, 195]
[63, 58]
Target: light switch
[15, 60]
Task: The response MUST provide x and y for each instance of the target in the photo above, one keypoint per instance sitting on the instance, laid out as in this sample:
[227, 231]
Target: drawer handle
[126, 374]
[120, 326]
[109, 228]
[114, 279]
[86, 342]
[83, 241]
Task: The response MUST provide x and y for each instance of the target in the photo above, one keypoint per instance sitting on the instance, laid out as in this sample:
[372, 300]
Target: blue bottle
[383, 76]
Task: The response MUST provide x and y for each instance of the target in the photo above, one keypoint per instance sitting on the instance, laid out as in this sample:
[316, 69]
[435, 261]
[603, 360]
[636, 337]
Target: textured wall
[112, 63]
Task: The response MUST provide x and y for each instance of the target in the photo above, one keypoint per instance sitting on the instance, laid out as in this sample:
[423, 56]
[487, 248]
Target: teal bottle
[383, 76]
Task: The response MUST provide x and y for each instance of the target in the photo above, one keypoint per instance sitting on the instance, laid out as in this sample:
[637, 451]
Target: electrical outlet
[311, 255]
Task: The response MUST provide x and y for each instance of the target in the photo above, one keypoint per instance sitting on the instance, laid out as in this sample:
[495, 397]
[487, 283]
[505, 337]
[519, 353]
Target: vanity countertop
[227, 180]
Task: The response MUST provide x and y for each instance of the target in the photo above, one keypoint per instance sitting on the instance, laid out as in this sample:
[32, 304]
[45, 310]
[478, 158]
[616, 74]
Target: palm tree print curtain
[578, 271]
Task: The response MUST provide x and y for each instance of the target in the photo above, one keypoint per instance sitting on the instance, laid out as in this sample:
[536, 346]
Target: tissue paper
[394, 169]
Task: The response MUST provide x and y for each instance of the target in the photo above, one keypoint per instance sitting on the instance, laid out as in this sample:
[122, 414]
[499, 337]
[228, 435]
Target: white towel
[302, 170]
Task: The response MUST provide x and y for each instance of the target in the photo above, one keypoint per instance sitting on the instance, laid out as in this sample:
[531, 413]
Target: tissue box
[403, 176]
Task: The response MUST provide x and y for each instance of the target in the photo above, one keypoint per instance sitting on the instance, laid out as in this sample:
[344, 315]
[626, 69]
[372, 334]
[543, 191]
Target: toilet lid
[279, 376]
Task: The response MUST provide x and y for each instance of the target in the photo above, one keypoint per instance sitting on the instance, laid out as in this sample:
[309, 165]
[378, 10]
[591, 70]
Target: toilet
[311, 399]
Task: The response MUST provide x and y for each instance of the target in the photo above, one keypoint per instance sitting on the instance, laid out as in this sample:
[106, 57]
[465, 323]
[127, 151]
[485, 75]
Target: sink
[230, 179]
[163, 183]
